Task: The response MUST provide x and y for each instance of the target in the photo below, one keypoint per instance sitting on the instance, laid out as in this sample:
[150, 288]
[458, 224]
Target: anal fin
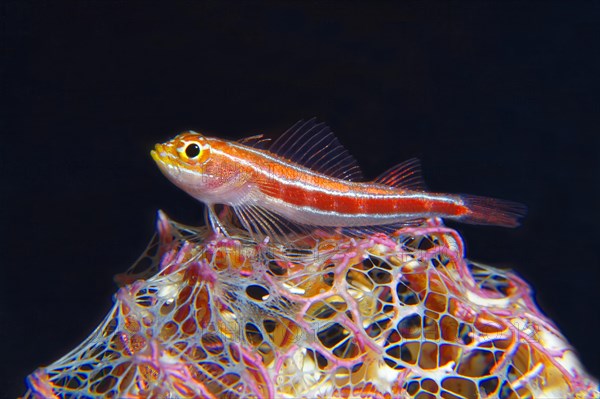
[260, 223]
[382, 229]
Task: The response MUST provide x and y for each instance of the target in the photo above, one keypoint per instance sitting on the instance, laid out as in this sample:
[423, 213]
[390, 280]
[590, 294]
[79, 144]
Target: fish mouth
[163, 155]
[155, 156]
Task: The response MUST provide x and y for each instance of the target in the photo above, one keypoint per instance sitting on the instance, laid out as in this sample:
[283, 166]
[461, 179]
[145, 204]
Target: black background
[496, 98]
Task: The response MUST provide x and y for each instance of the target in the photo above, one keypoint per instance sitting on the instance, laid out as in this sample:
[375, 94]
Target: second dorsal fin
[406, 175]
[314, 146]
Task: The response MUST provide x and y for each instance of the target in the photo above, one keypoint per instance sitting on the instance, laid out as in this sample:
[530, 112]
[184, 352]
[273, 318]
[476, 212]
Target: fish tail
[492, 211]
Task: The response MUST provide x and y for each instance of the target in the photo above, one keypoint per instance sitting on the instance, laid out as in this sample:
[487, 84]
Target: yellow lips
[155, 156]
[159, 154]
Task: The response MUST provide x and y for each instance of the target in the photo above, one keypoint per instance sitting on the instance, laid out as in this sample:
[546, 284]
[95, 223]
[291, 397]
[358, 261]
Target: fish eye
[192, 150]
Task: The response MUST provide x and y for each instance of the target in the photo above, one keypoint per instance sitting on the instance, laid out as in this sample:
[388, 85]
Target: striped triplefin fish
[306, 180]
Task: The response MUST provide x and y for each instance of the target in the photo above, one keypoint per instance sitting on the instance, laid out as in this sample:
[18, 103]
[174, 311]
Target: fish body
[308, 179]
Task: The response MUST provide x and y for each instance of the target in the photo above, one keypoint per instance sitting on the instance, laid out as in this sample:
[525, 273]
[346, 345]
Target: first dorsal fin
[406, 175]
[314, 146]
[257, 141]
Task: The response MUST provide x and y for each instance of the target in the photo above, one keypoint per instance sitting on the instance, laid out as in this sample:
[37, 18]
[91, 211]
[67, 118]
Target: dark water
[496, 98]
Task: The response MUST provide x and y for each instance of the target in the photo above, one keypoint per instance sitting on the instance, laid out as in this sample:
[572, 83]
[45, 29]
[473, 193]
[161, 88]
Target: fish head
[185, 161]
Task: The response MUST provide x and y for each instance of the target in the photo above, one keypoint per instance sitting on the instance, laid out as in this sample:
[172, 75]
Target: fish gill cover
[384, 316]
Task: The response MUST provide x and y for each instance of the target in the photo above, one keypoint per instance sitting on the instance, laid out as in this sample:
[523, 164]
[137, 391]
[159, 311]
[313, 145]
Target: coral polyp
[384, 316]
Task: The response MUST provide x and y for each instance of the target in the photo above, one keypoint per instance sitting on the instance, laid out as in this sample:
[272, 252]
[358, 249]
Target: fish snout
[160, 154]
[154, 153]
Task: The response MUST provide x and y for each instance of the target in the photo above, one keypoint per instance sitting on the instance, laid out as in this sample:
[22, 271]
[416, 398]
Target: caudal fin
[492, 211]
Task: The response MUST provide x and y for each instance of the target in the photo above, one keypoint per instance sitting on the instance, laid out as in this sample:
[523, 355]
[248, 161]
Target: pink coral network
[404, 315]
